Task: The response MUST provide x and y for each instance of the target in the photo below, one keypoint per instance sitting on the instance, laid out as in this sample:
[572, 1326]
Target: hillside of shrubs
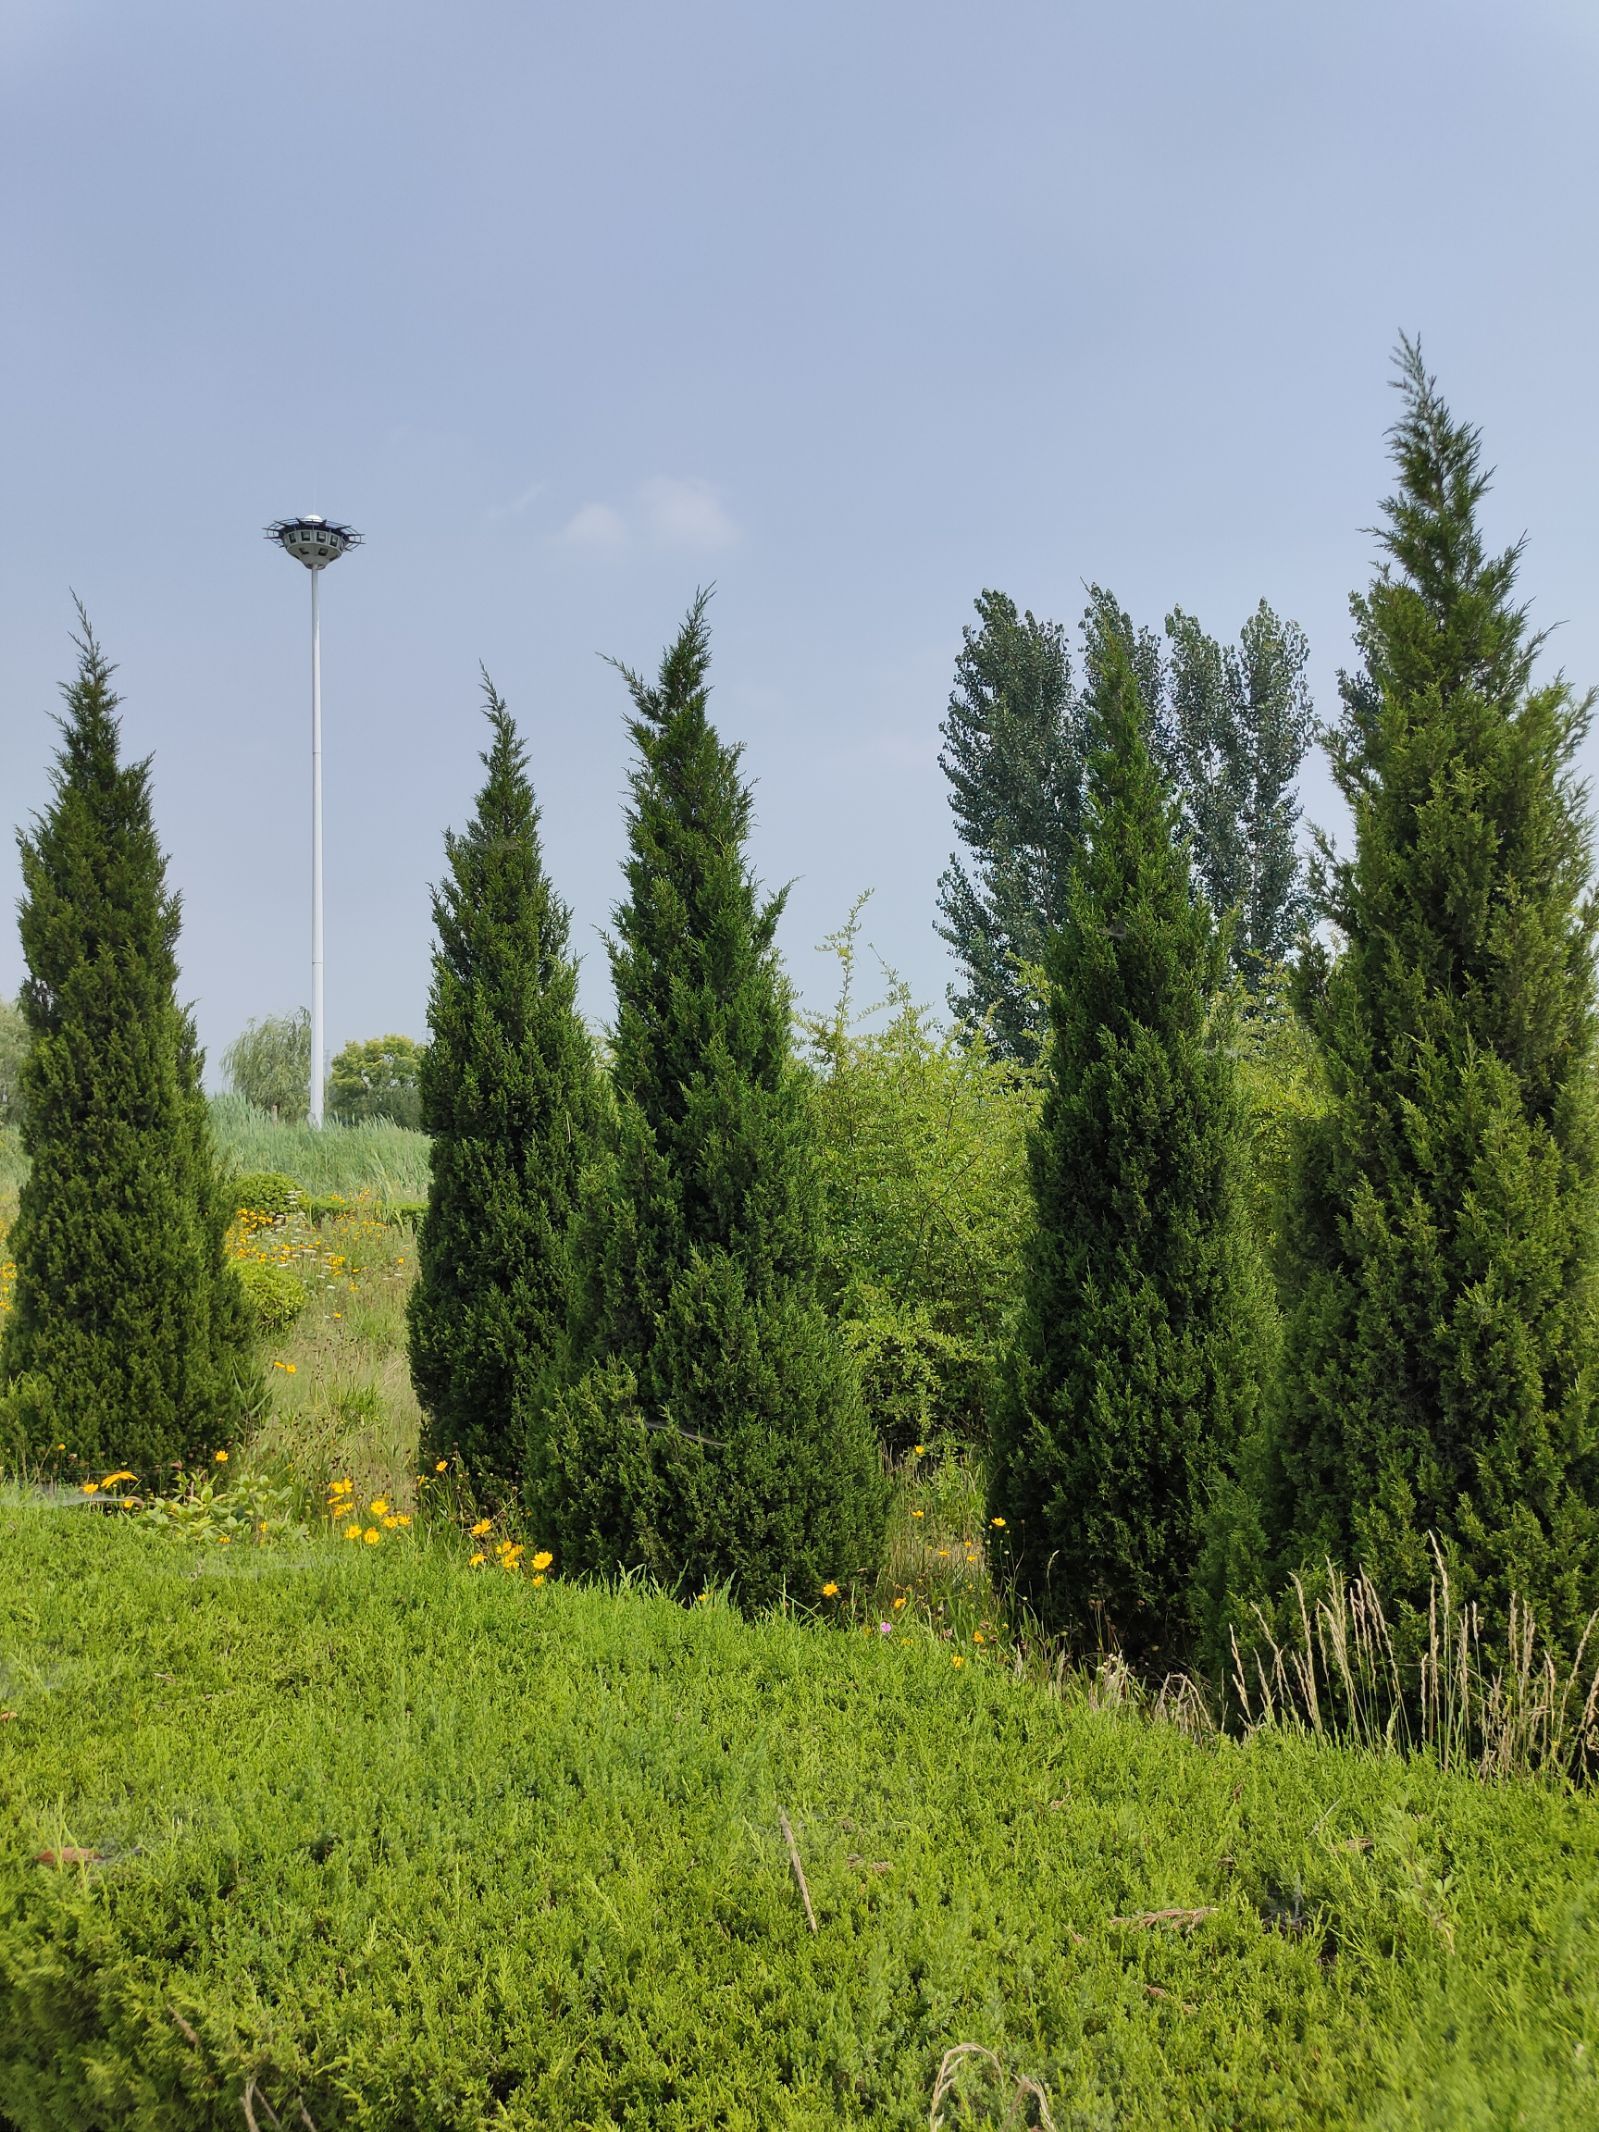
[763, 1567]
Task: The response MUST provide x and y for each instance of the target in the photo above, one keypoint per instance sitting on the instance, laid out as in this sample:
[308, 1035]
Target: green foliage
[719, 1436]
[276, 1295]
[922, 1137]
[1280, 1081]
[244, 1510]
[13, 1052]
[1013, 753]
[378, 1079]
[126, 1312]
[1441, 1362]
[269, 1065]
[511, 1859]
[267, 1192]
[1136, 1373]
[1229, 726]
[509, 1093]
[1235, 728]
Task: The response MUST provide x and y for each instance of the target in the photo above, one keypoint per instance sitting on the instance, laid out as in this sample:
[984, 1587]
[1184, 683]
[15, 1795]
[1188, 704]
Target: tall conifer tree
[718, 1432]
[1137, 1362]
[509, 1095]
[1442, 1361]
[128, 1340]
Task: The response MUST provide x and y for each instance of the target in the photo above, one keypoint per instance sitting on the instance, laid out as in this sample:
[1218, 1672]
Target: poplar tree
[1237, 723]
[1441, 1361]
[509, 1095]
[1135, 1375]
[1013, 754]
[128, 1339]
[717, 1432]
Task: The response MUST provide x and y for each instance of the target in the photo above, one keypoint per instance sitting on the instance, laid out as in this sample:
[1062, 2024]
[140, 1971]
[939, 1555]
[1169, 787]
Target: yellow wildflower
[352, 1532]
[540, 1580]
[957, 1660]
[225, 1539]
[221, 1458]
[978, 1636]
[918, 1450]
[371, 1536]
[477, 1561]
[918, 1513]
[829, 1591]
[403, 1518]
[379, 1505]
[111, 1479]
[482, 1526]
[898, 1603]
[543, 1561]
[439, 1468]
[997, 1522]
[127, 1502]
[390, 1522]
[91, 1487]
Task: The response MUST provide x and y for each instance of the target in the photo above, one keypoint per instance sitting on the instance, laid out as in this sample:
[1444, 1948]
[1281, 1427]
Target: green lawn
[415, 1846]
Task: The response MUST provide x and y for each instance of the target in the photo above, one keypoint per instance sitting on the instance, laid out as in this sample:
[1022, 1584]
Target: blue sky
[851, 308]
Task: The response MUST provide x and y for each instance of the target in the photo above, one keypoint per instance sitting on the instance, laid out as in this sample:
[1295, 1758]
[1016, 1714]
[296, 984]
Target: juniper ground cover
[351, 1832]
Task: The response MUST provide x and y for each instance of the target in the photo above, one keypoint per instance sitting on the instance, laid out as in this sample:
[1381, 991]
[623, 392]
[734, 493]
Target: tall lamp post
[316, 542]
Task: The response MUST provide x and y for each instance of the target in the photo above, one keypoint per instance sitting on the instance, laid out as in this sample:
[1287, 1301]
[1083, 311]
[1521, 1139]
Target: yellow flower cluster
[509, 1554]
[341, 1509]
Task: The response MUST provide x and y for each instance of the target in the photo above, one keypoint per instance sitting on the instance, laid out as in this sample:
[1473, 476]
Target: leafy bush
[268, 1192]
[923, 1147]
[275, 1294]
[13, 1050]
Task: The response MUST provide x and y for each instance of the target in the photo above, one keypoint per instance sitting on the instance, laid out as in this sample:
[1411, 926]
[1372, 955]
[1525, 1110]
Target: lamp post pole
[316, 542]
[318, 998]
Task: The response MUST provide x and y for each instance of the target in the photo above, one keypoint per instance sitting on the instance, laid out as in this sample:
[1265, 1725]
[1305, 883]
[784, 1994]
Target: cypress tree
[508, 1093]
[1442, 1359]
[1136, 1367]
[128, 1339]
[718, 1432]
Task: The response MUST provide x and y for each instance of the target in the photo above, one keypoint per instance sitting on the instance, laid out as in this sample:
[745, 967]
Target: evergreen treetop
[128, 1339]
[1138, 1355]
[510, 1097]
[718, 1432]
[1442, 1364]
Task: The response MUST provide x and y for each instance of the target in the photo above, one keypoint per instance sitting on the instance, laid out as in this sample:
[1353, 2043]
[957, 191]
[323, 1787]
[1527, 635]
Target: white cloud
[686, 514]
[596, 525]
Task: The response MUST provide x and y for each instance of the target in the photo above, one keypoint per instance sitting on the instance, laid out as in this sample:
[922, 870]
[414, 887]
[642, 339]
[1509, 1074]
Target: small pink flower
[885, 1628]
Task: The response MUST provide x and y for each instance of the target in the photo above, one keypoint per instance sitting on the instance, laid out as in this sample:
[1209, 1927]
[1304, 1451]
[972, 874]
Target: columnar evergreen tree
[1136, 1370]
[128, 1340]
[1237, 723]
[1013, 754]
[1442, 1362]
[509, 1094]
[718, 1432]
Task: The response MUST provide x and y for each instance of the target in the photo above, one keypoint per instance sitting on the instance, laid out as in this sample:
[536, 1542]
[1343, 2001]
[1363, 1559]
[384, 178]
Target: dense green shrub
[719, 1432]
[276, 1295]
[1136, 1375]
[509, 1094]
[1442, 1369]
[128, 1322]
[267, 1192]
[922, 1138]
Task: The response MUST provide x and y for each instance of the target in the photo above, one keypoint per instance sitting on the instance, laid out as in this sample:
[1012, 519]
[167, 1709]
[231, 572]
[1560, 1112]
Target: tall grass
[1476, 1700]
[390, 1161]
